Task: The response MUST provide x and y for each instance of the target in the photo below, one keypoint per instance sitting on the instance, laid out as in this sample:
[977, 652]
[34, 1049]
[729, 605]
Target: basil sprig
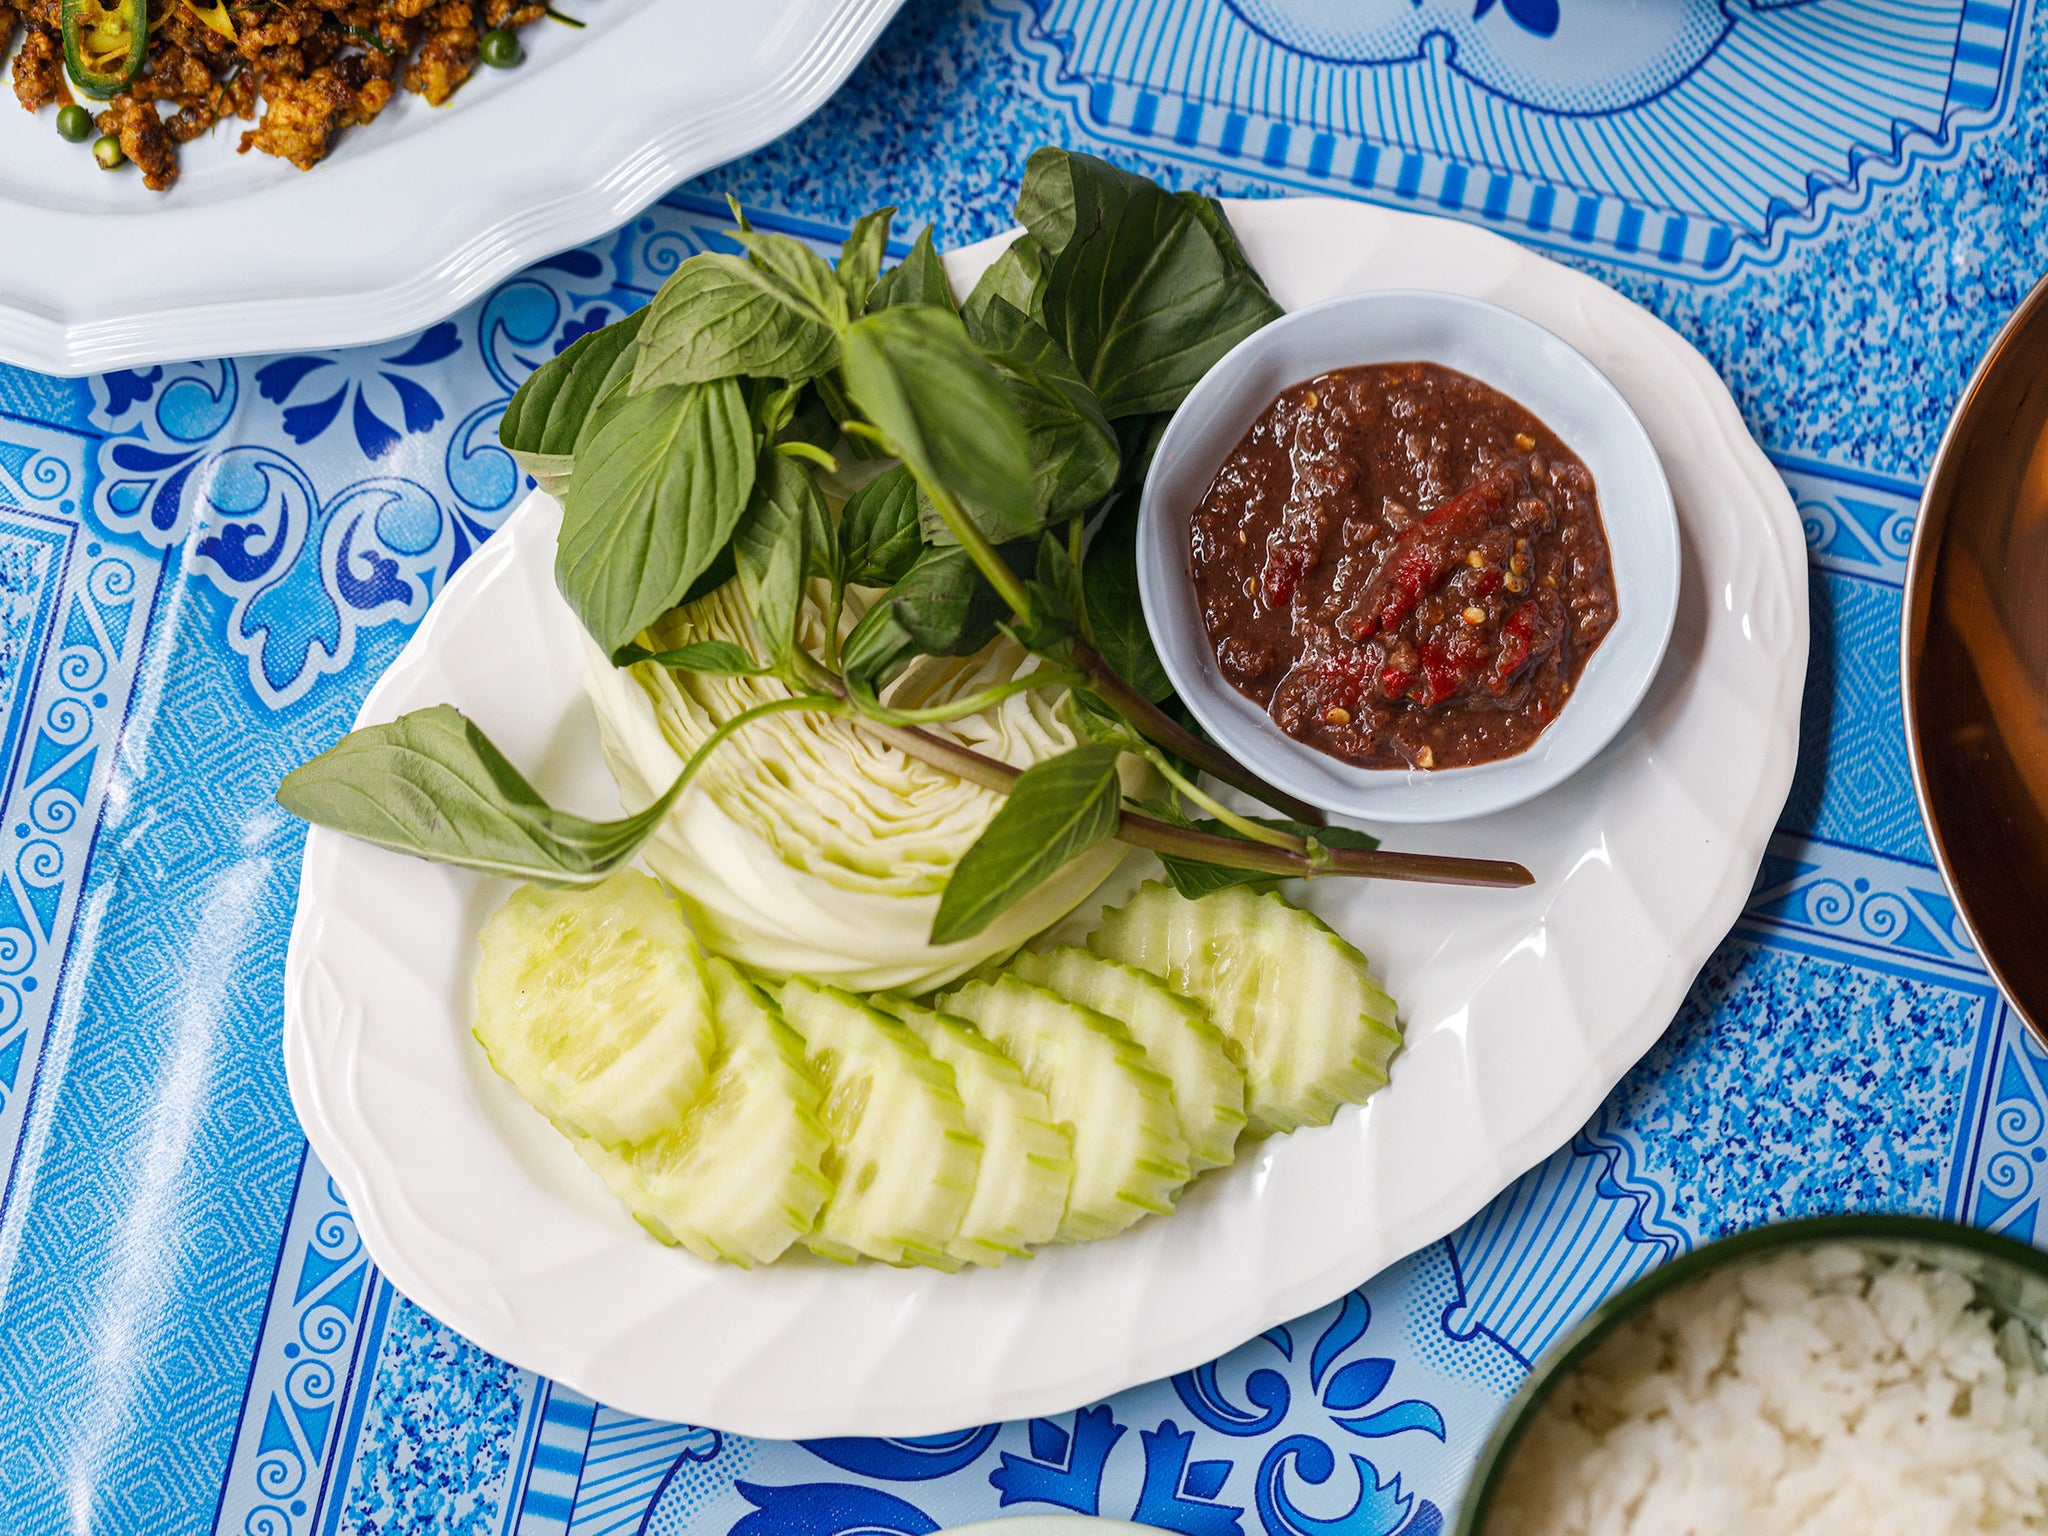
[660, 482]
[685, 442]
[430, 783]
[1056, 810]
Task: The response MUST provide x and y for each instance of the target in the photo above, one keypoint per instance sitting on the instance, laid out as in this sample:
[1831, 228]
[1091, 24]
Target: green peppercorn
[74, 123]
[500, 48]
[107, 150]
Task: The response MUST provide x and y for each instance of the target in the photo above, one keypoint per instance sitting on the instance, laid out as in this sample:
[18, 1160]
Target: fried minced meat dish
[301, 70]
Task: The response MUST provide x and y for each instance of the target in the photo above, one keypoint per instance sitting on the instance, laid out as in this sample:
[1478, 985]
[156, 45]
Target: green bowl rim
[1592, 1329]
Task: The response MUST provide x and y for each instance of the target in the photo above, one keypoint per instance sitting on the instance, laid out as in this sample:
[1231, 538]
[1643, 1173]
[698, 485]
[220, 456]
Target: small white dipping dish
[1521, 360]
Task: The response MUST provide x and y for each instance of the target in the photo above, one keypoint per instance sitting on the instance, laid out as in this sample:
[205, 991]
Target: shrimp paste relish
[1404, 567]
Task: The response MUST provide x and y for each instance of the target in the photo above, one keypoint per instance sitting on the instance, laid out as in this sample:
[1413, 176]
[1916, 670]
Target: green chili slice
[105, 45]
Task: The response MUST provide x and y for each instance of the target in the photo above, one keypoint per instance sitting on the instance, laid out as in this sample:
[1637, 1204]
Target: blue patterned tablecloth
[203, 566]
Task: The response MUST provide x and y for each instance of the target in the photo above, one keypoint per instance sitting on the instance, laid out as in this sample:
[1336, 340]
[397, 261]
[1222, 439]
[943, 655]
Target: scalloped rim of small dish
[1522, 360]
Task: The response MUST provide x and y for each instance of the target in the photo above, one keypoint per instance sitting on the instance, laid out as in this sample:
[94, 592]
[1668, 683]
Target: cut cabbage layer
[808, 846]
[593, 1004]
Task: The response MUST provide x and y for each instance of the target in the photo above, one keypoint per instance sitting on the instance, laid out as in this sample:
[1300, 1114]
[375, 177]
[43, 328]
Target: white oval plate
[419, 212]
[1522, 1008]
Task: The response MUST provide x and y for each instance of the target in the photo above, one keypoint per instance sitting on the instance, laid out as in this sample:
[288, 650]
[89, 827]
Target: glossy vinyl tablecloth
[1836, 200]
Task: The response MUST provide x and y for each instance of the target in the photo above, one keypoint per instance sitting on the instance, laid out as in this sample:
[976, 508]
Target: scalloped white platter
[415, 214]
[1521, 1009]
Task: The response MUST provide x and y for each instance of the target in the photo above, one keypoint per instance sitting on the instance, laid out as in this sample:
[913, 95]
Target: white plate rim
[787, 1410]
[244, 301]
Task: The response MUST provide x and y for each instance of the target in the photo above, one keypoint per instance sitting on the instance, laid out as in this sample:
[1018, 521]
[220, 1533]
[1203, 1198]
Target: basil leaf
[919, 278]
[662, 478]
[773, 546]
[606, 361]
[945, 604]
[720, 316]
[941, 606]
[860, 258]
[1213, 218]
[433, 785]
[1017, 277]
[812, 422]
[715, 575]
[944, 411]
[547, 411]
[878, 529]
[1194, 879]
[874, 652]
[1109, 584]
[771, 405]
[587, 360]
[1137, 440]
[1137, 290]
[1073, 449]
[1054, 594]
[806, 279]
[1057, 809]
[720, 658]
[550, 471]
[535, 394]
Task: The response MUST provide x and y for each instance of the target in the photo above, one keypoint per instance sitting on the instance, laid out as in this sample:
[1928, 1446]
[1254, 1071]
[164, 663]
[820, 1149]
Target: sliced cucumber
[1129, 1157]
[1297, 1005]
[902, 1160]
[593, 1003]
[1027, 1163]
[1177, 1034]
[742, 1177]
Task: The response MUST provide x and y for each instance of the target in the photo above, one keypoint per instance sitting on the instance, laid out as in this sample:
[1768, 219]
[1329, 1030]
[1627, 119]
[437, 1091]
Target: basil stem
[1160, 728]
[1300, 860]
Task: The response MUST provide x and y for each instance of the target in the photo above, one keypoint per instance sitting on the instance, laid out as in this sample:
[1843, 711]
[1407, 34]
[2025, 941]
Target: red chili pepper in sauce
[1517, 639]
[1443, 674]
[1427, 552]
[1286, 564]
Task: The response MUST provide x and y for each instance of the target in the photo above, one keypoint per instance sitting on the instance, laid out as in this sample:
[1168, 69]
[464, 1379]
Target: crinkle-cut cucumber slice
[1297, 1005]
[593, 1003]
[742, 1176]
[902, 1160]
[1129, 1158]
[1177, 1033]
[1027, 1162]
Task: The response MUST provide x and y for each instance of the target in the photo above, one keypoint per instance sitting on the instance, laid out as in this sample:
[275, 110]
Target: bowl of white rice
[1860, 1375]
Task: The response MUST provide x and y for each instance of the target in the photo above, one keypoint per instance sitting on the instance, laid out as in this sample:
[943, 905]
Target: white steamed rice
[1822, 1392]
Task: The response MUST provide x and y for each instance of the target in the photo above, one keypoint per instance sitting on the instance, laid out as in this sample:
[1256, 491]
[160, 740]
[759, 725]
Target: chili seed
[106, 149]
[1475, 559]
[1524, 441]
[1251, 587]
[1426, 758]
[1310, 401]
[1514, 583]
[74, 123]
[1336, 714]
[1475, 615]
[500, 48]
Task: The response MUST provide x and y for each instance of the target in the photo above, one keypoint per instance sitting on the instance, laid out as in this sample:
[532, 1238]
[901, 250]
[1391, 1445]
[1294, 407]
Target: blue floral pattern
[203, 565]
